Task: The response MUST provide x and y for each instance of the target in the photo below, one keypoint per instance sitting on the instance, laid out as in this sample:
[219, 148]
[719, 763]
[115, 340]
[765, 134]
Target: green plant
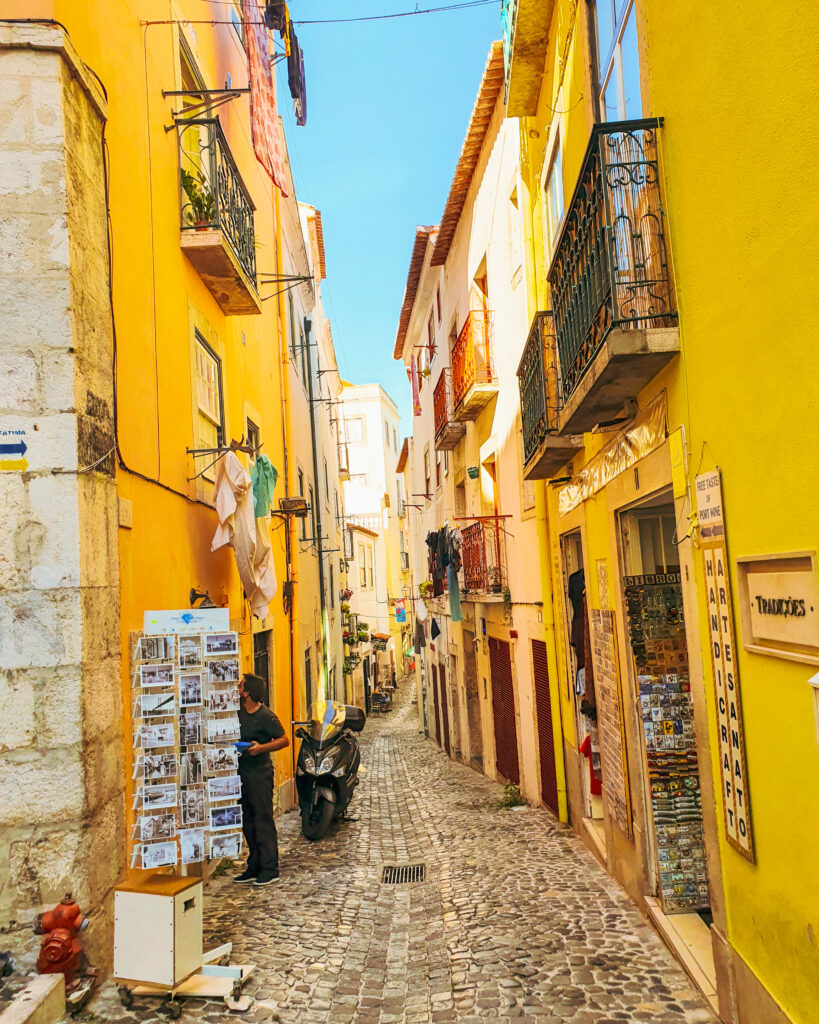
[200, 197]
[507, 599]
[224, 867]
[363, 626]
[425, 588]
[512, 797]
[345, 606]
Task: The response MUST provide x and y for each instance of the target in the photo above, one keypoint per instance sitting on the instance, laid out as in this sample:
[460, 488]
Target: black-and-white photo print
[190, 689]
[191, 768]
[155, 676]
[224, 670]
[221, 759]
[190, 729]
[190, 651]
[226, 787]
[221, 643]
[192, 845]
[193, 806]
[225, 817]
[223, 698]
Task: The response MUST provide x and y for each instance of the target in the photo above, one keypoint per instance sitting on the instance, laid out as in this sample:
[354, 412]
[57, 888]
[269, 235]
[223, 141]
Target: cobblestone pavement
[516, 921]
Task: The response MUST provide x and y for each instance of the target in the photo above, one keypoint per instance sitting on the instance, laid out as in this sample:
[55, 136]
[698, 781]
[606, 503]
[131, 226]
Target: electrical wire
[344, 21]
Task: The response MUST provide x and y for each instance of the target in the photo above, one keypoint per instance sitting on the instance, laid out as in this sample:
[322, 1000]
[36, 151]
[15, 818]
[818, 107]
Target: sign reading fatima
[733, 772]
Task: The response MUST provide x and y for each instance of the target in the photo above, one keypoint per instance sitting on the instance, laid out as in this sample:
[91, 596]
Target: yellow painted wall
[158, 295]
[737, 152]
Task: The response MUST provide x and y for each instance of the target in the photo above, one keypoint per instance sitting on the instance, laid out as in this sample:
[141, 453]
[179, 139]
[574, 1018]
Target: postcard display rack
[186, 764]
[657, 634]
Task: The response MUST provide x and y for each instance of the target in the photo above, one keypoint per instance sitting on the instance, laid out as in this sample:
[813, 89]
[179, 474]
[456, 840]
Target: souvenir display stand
[657, 635]
[187, 804]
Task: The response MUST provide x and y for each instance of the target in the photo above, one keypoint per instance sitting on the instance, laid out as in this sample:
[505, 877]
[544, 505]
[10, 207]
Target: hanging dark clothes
[275, 15]
[434, 629]
[420, 639]
[295, 78]
[577, 586]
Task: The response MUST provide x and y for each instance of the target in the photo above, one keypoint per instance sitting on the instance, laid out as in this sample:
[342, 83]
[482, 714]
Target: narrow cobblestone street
[515, 921]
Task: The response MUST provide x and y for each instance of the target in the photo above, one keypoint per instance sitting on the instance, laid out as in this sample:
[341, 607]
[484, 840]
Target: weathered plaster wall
[61, 778]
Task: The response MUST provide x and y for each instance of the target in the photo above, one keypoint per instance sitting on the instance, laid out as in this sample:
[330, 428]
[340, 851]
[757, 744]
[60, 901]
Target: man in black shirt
[263, 730]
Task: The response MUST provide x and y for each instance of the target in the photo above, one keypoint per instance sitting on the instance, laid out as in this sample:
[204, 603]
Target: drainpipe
[290, 522]
[317, 528]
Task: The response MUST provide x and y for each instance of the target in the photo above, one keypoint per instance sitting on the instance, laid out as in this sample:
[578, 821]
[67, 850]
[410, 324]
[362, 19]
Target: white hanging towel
[239, 529]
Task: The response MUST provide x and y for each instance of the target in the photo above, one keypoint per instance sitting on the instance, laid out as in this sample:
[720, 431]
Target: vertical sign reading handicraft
[733, 773]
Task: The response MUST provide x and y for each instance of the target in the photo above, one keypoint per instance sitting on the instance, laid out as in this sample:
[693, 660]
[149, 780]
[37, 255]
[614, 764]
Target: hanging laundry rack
[221, 452]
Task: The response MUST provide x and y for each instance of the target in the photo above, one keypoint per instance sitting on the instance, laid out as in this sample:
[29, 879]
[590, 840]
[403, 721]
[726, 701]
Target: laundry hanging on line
[247, 534]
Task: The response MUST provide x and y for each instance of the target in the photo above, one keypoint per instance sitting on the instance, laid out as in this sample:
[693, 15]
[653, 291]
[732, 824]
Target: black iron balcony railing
[211, 191]
[610, 267]
[539, 384]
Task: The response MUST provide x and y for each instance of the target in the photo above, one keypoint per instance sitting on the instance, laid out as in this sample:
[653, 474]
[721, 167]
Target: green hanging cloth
[264, 476]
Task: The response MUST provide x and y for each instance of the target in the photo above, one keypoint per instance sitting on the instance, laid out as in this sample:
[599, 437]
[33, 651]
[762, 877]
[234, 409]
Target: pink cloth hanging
[264, 119]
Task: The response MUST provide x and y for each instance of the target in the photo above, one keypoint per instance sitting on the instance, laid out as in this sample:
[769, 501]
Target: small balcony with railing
[615, 316]
[483, 559]
[448, 430]
[216, 216]
[544, 449]
[474, 383]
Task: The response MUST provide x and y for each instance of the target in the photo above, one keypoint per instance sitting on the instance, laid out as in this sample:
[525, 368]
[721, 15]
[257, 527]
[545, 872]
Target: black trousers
[257, 820]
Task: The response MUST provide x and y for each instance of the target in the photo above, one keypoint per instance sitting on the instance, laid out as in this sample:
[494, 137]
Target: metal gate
[545, 728]
[444, 709]
[503, 711]
[437, 708]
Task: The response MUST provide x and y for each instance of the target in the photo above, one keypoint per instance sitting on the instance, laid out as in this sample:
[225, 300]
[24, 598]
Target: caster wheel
[237, 990]
[126, 996]
[174, 1010]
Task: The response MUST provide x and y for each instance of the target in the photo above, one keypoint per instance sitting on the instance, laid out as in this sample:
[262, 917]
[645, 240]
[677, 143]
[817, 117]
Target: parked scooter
[328, 763]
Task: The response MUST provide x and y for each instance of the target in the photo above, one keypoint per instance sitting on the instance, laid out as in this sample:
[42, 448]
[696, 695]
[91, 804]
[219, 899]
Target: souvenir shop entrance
[659, 672]
[581, 678]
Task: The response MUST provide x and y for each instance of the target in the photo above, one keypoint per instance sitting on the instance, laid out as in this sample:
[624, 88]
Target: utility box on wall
[158, 930]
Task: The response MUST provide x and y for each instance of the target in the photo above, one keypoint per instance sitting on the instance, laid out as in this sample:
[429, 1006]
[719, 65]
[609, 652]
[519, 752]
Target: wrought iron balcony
[473, 374]
[544, 450]
[448, 430]
[483, 556]
[611, 288]
[216, 216]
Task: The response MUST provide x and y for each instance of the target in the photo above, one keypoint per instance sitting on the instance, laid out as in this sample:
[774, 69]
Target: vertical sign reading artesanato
[733, 773]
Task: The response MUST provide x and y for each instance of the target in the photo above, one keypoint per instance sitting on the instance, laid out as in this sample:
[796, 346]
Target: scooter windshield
[326, 720]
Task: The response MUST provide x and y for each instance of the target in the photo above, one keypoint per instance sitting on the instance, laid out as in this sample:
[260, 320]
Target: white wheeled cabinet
[158, 946]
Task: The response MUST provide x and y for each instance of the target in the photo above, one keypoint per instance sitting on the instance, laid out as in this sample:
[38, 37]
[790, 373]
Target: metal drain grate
[403, 874]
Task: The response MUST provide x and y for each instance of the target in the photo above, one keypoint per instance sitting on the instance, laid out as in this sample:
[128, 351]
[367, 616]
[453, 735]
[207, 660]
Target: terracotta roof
[320, 240]
[419, 250]
[490, 88]
[403, 455]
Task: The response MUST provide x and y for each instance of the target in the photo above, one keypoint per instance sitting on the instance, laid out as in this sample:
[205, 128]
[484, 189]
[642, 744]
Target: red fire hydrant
[61, 951]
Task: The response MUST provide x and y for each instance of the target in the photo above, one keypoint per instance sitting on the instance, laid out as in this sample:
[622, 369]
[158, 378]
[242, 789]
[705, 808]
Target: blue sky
[388, 105]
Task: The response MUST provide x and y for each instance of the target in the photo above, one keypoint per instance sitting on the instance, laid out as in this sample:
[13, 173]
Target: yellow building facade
[659, 269]
[188, 356]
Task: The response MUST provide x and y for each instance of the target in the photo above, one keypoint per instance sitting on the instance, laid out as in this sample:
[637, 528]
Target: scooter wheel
[314, 825]
[126, 996]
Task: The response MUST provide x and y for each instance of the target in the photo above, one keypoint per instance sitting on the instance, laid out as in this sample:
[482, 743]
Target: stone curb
[42, 1001]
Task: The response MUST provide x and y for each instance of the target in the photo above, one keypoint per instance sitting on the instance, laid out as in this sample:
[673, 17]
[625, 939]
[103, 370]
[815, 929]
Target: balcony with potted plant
[217, 232]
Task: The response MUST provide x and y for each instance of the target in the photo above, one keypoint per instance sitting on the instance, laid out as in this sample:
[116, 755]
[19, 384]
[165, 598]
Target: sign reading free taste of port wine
[733, 772]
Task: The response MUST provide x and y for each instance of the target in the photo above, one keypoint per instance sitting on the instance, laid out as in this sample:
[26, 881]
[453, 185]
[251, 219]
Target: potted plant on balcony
[345, 606]
[363, 631]
[493, 577]
[201, 199]
[425, 589]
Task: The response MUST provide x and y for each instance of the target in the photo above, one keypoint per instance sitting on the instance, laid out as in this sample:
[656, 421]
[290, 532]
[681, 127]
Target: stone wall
[61, 758]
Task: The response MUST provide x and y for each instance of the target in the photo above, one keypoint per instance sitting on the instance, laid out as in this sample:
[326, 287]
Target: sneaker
[246, 876]
[266, 877]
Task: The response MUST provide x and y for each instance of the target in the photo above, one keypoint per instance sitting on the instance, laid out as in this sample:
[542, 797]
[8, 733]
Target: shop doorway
[261, 659]
[457, 746]
[659, 662]
[473, 702]
[581, 678]
[437, 706]
[545, 730]
[444, 709]
[503, 711]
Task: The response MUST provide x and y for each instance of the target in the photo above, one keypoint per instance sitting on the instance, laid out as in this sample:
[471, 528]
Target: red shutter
[444, 708]
[503, 711]
[545, 729]
[437, 711]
